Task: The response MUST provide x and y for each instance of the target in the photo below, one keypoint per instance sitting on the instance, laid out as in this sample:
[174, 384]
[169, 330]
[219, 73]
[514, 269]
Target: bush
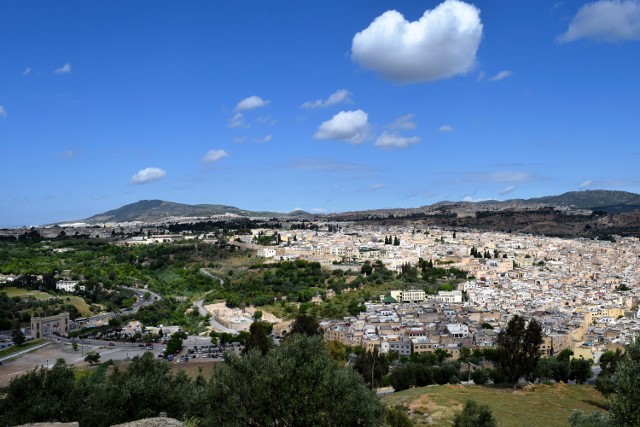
[480, 376]
[474, 415]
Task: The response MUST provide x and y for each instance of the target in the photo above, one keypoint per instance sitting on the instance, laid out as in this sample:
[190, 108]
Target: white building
[411, 295]
[68, 285]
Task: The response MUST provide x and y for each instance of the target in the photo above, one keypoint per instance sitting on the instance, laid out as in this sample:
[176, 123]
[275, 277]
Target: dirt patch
[47, 356]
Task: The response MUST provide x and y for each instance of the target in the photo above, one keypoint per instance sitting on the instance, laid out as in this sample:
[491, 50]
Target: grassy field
[77, 301]
[543, 405]
[15, 292]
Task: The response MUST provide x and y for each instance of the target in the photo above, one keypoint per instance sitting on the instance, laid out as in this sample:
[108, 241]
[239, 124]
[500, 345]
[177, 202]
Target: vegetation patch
[545, 405]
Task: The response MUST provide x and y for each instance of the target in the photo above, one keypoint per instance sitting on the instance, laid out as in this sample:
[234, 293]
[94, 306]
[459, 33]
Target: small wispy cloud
[250, 103]
[388, 140]
[374, 187]
[68, 154]
[265, 139]
[26, 72]
[403, 122]
[147, 175]
[446, 128]
[501, 75]
[586, 184]
[236, 121]
[501, 176]
[3, 112]
[213, 156]
[337, 97]
[325, 165]
[510, 189]
[65, 69]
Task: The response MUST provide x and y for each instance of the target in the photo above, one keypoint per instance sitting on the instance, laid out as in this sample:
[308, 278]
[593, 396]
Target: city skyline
[322, 107]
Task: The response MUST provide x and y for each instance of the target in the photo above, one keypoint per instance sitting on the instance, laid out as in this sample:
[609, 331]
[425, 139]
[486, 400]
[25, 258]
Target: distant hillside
[605, 200]
[158, 210]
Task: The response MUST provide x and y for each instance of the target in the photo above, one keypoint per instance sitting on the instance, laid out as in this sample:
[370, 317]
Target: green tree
[74, 346]
[306, 325]
[92, 357]
[297, 383]
[580, 370]
[18, 337]
[518, 348]
[474, 415]
[259, 338]
[372, 366]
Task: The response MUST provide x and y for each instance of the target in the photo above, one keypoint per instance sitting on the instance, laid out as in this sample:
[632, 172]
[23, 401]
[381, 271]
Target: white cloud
[250, 103]
[266, 138]
[501, 176]
[374, 187]
[236, 121]
[148, 175]
[350, 126]
[393, 140]
[27, 71]
[68, 154]
[240, 139]
[65, 69]
[610, 21]
[510, 189]
[319, 164]
[3, 112]
[446, 128]
[337, 97]
[214, 155]
[403, 122]
[441, 44]
[481, 76]
[501, 75]
[586, 184]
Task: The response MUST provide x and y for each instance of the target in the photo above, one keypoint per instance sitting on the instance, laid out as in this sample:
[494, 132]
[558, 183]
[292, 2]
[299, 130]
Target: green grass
[14, 349]
[80, 304]
[544, 406]
[15, 292]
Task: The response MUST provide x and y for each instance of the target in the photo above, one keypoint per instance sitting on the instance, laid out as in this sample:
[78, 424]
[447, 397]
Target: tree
[74, 346]
[580, 370]
[474, 415]
[92, 357]
[18, 337]
[257, 315]
[518, 348]
[306, 325]
[372, 366]
[259, 337]
[261, 390]
[625, 401]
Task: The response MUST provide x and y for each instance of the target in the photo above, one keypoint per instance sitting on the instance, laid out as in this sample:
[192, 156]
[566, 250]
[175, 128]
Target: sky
[325, 106]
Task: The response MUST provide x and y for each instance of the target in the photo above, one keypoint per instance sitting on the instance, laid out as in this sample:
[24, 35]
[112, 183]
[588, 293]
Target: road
[20, 353]
[214, 323]
[206, 273]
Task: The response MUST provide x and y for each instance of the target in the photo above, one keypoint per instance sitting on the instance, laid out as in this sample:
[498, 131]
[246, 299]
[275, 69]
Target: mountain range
[158, 210]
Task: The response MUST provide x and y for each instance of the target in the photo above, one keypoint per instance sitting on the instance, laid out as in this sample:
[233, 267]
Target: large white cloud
[441, 44]
[250, 103]
[213, 156]
[148, 175]
[393, 140]
[337, 97]
[605, 20]
[350, 126]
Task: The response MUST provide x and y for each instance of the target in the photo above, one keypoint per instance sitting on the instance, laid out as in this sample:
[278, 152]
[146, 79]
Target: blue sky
[324, 106]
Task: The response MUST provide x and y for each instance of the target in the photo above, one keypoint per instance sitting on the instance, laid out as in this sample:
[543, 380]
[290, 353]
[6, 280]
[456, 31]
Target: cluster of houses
[585, 293]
